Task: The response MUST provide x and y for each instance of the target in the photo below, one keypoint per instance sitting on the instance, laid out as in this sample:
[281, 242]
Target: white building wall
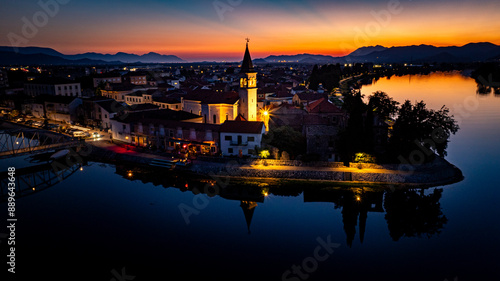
[121, 131]
[227, 144]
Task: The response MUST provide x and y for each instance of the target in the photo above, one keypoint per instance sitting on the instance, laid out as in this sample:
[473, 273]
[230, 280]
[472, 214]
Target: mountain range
[38, 55]
[472, 52]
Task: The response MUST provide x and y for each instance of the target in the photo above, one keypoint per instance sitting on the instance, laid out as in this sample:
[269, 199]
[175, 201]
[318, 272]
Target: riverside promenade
[439, 172]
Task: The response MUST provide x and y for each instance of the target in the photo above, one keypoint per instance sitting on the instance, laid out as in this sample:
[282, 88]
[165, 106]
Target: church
[247, 106]
[216, 108]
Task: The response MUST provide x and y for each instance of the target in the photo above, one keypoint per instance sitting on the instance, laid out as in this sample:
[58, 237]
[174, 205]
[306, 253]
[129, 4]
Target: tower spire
[247, 65]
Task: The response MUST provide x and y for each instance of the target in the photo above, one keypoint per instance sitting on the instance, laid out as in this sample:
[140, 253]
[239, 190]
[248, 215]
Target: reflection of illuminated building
[248, 196]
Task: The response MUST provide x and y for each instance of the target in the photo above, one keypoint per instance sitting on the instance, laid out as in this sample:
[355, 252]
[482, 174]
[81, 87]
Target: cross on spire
[248, 39]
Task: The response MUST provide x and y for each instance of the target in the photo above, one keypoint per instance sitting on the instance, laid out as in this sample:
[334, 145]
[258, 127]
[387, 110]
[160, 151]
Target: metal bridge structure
[15, 142]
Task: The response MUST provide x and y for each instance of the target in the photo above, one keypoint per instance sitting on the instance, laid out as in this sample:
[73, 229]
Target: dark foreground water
[110, 222]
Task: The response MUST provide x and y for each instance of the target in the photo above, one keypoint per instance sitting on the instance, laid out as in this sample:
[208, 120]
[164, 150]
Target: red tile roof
[322, 105]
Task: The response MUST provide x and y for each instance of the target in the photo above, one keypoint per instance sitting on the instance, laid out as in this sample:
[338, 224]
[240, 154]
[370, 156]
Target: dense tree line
[414, 128]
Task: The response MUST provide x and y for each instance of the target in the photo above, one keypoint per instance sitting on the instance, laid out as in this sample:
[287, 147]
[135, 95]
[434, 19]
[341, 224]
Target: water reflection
[409, 212]
[33, 179]
[487, 90]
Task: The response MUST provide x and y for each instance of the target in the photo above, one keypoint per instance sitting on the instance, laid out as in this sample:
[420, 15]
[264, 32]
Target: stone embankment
[438, 172]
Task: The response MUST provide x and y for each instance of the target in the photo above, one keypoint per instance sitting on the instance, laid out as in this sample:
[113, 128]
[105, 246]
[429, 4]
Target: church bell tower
[247, 106]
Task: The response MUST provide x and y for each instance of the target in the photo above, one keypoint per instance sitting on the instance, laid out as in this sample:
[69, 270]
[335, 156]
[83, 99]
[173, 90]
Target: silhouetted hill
[304, 58]
[472, 52]
[12, 58]
[31, 51]
[363, 51]
[129, 58]
[89, 57]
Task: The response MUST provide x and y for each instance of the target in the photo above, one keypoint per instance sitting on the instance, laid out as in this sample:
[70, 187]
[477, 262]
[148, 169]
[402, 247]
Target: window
[251, 139]
[228, 138]
[227, 116]
[105, 116]
[215, 119]
[124, 127]
[230, 150]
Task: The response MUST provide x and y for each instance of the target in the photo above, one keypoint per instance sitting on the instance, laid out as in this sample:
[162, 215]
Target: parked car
[96, 135]
[38, 123]
[80, 134]
[20, 119]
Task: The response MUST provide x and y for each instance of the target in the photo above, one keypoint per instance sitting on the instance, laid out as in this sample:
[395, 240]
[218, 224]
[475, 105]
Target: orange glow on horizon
[315, 28]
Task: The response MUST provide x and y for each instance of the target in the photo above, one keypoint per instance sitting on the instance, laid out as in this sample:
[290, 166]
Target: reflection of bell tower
[247, 106]
[248, 208]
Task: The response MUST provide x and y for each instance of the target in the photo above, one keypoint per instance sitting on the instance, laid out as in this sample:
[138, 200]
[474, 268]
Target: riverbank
[439, 172]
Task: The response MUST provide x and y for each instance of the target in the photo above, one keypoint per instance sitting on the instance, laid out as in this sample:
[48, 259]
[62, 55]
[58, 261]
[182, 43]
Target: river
[123, 223]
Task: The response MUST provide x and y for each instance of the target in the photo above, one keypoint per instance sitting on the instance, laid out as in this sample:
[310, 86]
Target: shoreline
[442, 172]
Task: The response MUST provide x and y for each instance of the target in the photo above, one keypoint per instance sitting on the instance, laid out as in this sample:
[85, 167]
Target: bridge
[15, 142]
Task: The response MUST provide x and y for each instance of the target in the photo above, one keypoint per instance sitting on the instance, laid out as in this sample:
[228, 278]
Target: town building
[321, 126]
[58, 108]
[110, 77]
[167, 130]
[4, 81]
[53, 86]
[214, 107]
[135, 78]
[240, 137]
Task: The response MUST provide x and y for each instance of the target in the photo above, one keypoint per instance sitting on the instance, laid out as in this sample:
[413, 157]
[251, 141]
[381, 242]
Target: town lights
[129, 174]
[266, 113]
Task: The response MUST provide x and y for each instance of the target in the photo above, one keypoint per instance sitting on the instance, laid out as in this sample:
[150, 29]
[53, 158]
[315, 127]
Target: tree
[354, 138]
[285, 138]
[419, 128]
[383, 105]
[410, 214]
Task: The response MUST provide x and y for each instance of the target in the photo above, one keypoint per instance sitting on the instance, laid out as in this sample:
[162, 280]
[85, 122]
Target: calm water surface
[102, 221]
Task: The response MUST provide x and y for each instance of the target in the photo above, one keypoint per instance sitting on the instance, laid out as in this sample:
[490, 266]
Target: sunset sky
[198, 30]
